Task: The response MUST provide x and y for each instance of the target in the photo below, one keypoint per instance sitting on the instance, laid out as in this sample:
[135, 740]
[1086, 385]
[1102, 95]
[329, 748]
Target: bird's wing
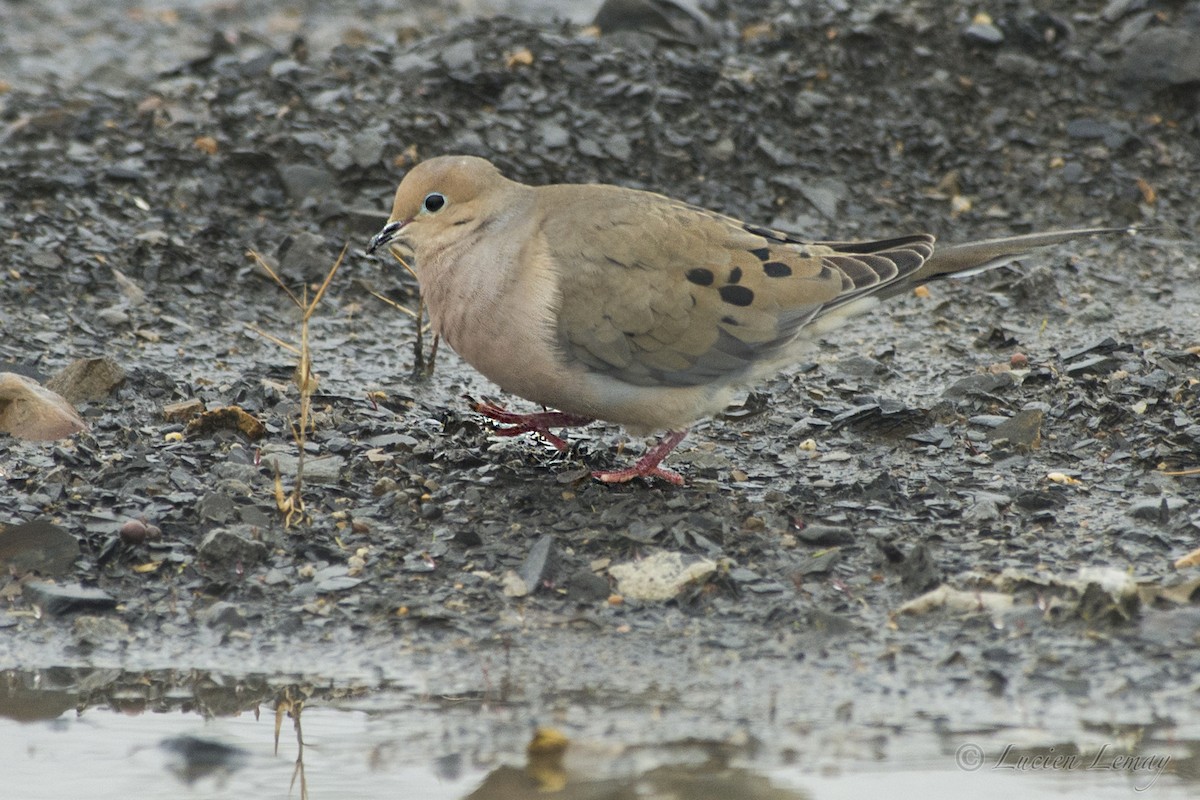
[655, 292]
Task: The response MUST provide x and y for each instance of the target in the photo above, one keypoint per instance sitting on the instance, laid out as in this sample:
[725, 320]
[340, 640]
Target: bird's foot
[628, 474]
[648, 465]
[539, 423]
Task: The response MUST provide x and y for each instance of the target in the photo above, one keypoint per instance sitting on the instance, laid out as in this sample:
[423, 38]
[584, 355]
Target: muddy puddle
[206, 735]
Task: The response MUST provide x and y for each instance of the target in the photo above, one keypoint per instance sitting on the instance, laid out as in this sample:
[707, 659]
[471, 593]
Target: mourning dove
[615, 304]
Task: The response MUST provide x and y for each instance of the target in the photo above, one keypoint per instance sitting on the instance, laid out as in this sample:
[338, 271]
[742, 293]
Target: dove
[601, 302]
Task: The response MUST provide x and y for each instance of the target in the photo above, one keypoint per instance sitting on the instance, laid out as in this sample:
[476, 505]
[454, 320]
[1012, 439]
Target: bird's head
[438, 198]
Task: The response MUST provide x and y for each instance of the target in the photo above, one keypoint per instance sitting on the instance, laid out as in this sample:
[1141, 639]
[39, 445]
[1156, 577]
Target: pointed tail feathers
[971, 258]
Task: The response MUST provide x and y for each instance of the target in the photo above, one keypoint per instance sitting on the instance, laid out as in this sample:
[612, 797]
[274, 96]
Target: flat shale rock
[57, 600]
[228, 548]
[38, 546]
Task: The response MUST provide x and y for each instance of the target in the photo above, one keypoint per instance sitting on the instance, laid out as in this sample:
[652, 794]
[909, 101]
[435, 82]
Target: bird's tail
[971, 258]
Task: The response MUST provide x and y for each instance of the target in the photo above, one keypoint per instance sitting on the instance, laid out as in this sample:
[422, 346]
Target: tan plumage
[628, 306]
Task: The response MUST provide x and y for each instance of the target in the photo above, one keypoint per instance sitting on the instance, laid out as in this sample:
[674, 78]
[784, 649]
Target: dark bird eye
[433, 201]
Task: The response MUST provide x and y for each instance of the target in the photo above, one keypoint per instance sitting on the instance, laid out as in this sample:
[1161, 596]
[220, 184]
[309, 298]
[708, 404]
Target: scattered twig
[291, 504]
[274, 339]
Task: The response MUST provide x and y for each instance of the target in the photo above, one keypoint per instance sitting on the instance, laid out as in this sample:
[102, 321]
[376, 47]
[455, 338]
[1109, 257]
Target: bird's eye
[433, 202]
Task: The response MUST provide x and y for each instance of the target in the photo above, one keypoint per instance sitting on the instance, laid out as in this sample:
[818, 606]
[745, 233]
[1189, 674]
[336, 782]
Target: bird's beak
[389, 232]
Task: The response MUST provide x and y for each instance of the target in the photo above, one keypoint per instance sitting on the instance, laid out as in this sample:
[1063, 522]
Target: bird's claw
[515, 424]
[648, 465]
[628, 474]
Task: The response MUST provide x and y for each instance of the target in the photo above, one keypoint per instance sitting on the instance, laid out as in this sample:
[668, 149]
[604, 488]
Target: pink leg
[529, 423]
[648, 465]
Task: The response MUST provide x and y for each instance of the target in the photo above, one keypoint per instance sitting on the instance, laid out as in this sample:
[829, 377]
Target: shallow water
[107, 733]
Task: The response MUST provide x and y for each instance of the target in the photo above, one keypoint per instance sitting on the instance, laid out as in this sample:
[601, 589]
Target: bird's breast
[501, 317]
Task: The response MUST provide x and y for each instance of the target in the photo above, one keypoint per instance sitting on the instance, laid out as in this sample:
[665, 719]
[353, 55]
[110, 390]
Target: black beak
[385, 236]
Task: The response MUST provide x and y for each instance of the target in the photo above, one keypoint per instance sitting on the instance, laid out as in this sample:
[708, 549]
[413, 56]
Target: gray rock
[228, 547]
[538, 564]
[223, 615]
[1161, 57]
[554, 135]
[57, 599]
[216, 507]
[1024, 429]
[366, 148]
[459, 56]
[37, 546]
[983, 33]
[1097, 311]
[1157, 509]
[90, 630]
[302, 181]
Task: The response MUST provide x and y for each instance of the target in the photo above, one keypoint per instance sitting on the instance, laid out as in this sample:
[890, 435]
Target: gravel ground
[959, 515]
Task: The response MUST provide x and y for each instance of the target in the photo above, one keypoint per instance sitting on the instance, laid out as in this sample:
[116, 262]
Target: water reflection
[277, 736]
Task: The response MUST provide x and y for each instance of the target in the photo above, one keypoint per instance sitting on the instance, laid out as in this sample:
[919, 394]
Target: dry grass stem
[291, 504]
[290, 702]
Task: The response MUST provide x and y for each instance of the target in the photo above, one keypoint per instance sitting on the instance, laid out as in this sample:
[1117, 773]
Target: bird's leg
[648, 465]
[539, 423]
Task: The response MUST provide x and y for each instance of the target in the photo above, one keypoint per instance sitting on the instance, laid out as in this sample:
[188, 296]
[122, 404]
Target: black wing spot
[701, 276]
[736, 295]
[777, 269]
[761, 253]
[735, 275]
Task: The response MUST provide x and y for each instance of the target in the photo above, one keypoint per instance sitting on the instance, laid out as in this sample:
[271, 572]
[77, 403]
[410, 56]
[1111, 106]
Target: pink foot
[648, 465]
[528, 423]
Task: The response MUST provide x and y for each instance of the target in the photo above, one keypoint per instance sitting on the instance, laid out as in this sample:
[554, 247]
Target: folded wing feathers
[651, 337]
[870, 267]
